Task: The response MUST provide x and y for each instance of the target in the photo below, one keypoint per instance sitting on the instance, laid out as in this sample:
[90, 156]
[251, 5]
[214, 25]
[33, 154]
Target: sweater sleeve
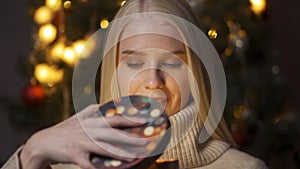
[13, 161]
[236, 159]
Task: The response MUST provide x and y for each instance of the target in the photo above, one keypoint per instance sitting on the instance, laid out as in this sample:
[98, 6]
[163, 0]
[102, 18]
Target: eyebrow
[132, 52]
[141, 53]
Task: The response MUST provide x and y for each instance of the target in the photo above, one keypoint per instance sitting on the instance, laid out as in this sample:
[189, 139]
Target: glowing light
[46, 74]
[47, 33]
[212, 33]
[67, 4]
[88, 89]
[57, 51]
[275, 69]
[165, 161]
[238, 111]
[41, 73]
[42, 15]
[228, 51]
[55, 5]
[89, 47]
[258, 6]
[239, 43]
[104, 23]
[123, 2]
[78, 46]
[242, 33]
[69, 56]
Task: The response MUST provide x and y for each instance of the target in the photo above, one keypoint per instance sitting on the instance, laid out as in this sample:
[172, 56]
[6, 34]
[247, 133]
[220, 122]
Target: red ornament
[240, 138]
[33, 95]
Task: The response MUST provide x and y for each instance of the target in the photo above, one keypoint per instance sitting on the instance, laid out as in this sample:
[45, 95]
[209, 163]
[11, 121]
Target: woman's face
[155, 66]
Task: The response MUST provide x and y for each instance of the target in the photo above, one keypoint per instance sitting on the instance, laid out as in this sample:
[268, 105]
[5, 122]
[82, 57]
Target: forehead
[157, 45]
[150, 24]
[154, 41]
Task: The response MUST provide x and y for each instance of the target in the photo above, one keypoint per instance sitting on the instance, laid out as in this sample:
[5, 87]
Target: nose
[153, 79]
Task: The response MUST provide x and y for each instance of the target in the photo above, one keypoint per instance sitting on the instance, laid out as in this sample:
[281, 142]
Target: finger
[108, 150]
[116, 136]
[84, 161]
[89, 111]
[115, 121]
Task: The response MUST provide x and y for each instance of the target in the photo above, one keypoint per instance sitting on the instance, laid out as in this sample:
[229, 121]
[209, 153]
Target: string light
[258, 6]
[42, 15]
[88, 89]
[47, 33]
[55, 5]
[57, 51]
[89, 47]
[228, 51]
[104, 23]
[123, 3]
[78, 46]
[238, 111]
[275, 69]
[239, 43]
[67, 4]
[69, 56]
[212, 33]
[46, 74]
[242, 33]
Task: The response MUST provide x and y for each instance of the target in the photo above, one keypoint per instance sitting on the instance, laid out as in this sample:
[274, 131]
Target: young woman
[152, 49]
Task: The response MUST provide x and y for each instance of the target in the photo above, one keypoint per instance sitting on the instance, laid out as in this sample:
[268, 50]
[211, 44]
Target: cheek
[128, 83]
[123, 80]
[179, 85]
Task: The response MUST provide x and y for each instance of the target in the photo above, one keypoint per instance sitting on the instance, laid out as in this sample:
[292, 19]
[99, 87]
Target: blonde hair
[199, 89]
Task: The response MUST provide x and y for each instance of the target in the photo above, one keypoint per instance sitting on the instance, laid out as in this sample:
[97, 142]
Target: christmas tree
[255, 107]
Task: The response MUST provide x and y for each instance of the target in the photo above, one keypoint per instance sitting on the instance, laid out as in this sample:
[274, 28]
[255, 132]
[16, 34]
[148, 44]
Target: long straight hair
[199, 84]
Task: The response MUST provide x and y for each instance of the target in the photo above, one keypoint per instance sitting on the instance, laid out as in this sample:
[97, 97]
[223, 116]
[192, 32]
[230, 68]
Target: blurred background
[257, 41]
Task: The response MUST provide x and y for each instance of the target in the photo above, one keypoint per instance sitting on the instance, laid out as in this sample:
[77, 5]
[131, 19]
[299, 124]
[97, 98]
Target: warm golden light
[69, 56]
[55, 5]
[42, 15]
[239, 111]
[57, 51]
[88, 89]
[228, 51]
[165, 161]
[46, 74]
[78, 46]
[242, 33]
[88, 49]
[123, 2]
[47, 33]
[41, 73]
[258, 6]
[212, 33]
[104, 23]
[67, 4]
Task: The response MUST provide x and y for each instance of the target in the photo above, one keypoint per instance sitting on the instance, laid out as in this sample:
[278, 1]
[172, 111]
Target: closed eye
[134, 65]
[172, 65]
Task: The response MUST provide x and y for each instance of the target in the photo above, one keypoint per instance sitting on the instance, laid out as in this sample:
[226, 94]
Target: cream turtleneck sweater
[185, 147]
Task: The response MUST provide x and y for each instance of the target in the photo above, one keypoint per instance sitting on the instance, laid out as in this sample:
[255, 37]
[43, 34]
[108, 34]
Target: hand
[73, 140]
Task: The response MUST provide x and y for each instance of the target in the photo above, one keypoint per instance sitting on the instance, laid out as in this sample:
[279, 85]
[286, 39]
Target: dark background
[15, 43]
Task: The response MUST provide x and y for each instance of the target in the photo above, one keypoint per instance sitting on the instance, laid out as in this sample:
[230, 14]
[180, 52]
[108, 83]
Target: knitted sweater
[185, 147]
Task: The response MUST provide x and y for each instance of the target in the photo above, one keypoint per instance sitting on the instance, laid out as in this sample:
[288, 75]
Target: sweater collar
[184, 145]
